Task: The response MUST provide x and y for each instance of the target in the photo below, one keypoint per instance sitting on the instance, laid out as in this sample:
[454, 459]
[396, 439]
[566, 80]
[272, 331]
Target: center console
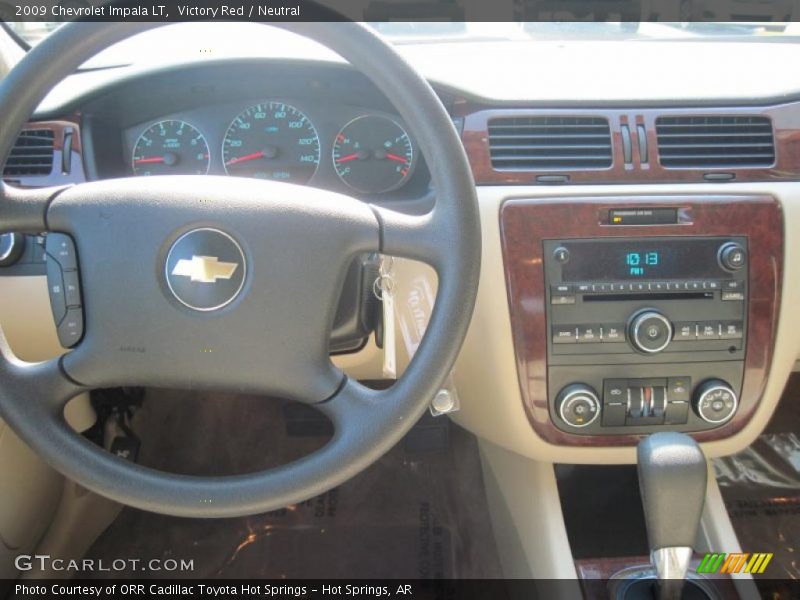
[635, 315]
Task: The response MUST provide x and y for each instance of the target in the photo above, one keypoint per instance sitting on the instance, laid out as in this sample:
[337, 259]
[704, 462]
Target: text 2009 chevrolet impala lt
[402, 301]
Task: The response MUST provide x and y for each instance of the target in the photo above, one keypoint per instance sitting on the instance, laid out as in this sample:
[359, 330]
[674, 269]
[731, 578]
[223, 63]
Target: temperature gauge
[373, 154]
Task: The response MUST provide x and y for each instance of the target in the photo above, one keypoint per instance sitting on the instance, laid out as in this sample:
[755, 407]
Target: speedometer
[272, 140]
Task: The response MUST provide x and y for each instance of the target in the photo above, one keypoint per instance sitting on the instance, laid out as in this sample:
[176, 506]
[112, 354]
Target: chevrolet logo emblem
[204, 269]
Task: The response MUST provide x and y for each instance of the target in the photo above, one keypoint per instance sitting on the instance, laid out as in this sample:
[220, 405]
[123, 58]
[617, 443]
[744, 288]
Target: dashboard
[323, 124]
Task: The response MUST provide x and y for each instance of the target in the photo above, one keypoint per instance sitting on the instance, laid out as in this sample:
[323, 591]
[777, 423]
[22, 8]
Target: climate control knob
[578, 405]
[715, 401]
[649, 331]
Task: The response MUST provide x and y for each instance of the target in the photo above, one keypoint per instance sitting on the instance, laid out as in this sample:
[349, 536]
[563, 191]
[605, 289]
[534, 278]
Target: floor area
[420, 512]
[761, 490]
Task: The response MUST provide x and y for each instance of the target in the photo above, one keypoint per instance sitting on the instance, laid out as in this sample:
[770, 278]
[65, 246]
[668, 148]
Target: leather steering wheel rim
[367, 422]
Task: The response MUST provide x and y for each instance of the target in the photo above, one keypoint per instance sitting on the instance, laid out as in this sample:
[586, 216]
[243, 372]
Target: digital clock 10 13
[637, 262]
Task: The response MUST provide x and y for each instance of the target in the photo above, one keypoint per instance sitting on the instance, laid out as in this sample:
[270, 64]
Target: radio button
[711, 285]
[737, 285]
[583, 288]
[613, 333]
[561, 255]
[658, 286]
[564, 334]
[640, 286]
[733, 296]
[588, 334]
[731, 330]
[708, 330]
[558, 300]
[685, 331]
[694, 286]
[601, 287]
[617, 287]
[732, 256]
[561, 288]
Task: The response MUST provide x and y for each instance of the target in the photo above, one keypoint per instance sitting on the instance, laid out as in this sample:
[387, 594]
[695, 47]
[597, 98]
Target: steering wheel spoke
[42, 388]
[24, 210]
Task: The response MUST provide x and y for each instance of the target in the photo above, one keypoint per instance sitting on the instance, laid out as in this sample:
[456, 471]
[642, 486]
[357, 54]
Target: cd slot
[649, 296]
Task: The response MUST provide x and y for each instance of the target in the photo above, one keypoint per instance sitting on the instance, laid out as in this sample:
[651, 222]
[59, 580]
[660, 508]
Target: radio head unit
[637, 323]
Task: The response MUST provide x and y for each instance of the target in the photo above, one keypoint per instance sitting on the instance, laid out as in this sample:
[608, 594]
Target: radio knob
[732, 256]
[715, 401]
[578, 405]
[649, 331]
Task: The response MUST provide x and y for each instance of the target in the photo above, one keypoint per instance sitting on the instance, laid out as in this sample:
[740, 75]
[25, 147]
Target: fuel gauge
[373, 154]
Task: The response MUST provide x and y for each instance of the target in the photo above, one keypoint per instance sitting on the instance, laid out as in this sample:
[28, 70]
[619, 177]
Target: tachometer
[373, 154]
[171, 147]
[272, 140]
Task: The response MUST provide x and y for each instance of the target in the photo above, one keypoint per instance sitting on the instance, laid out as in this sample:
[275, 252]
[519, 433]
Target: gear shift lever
[672, 479]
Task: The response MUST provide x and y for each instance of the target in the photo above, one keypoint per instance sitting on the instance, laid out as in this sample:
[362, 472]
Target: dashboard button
[561, 255]
[562, 288]
[583, 288]
[564, 334]
[731, 330]
[733, 296]
[640, 286]
[732, 256]
[61, 248]
[679, 389]
[72, 288]
[55, 288]
[677, 413]
[613, 333]
[588, 333]
[614, 415]
[736, 285]
[615, 391]
[711, 285]
[70, 330]
[658, 286]
[559, 300]
[694, 286]
[685, 331]
[708, 330]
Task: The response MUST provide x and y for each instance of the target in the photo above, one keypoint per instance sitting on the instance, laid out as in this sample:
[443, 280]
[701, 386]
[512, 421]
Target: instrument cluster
[357, 150]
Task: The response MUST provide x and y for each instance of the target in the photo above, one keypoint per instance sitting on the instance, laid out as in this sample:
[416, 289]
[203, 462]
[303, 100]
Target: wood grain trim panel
[786, 128]
[525, 223]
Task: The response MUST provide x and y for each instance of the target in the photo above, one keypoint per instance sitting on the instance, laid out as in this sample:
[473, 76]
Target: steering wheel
[275, 256]
[265, 327]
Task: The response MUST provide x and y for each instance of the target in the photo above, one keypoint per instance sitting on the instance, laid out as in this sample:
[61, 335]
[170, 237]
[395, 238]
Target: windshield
[32, 32]
[221, 39]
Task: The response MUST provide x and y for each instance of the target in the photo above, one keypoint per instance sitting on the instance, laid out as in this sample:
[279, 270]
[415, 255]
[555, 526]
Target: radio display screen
[650, 259]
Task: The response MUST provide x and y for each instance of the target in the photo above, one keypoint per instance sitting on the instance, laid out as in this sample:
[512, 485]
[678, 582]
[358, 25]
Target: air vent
[715, 141]
[32, 154]
[549, 143]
